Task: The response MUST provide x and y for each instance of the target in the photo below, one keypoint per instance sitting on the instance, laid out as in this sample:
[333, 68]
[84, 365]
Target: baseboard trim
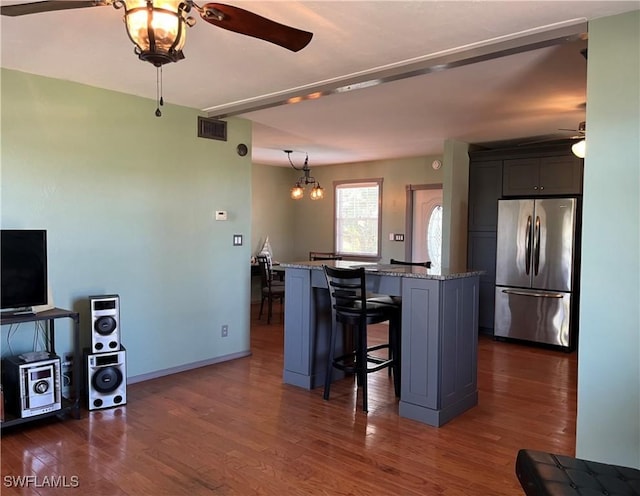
[187, 366]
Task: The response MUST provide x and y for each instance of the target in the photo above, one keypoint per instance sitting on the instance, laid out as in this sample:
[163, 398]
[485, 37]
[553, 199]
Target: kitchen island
[439, 333]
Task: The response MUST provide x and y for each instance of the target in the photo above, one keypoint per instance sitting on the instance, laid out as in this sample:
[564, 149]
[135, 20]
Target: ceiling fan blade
[245, 22]
[49, 6]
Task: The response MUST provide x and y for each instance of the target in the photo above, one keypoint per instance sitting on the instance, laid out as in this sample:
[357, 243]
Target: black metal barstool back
[420, 264]
[349, 307]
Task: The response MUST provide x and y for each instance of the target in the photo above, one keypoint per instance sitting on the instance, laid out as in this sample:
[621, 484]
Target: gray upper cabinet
[561, 175]
[542, 176]
[485, 180]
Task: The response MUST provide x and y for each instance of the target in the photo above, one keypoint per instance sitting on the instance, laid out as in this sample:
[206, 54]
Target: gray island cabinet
[439, 333]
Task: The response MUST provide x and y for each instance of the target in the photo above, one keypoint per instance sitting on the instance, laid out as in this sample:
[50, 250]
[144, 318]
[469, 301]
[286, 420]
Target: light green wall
[455, 194]
[608, 425]
[273, 211]
[313, 220]
[128, 199]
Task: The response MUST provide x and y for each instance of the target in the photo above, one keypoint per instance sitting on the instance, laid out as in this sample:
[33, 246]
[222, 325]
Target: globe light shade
[158, 29]
[317, 193]
[579, 148]
[297, 192]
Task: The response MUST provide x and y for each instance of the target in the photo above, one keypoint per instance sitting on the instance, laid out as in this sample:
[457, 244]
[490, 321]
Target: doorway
[424, 223]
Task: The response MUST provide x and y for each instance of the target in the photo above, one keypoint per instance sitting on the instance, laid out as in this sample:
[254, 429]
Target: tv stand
[69, 405]
[19, 311]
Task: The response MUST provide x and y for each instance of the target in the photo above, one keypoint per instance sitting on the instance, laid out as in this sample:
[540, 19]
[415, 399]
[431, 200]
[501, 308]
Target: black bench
[544, 474]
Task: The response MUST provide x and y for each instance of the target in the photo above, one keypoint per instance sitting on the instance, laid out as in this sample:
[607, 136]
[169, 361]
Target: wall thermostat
[221, 215]
[436, 164]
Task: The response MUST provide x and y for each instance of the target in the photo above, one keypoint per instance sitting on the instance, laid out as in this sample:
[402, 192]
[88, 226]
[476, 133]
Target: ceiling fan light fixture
[579, 149]
[157, 28]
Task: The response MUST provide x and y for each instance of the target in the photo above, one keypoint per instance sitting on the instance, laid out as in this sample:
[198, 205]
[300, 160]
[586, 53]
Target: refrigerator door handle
[534, 294]
[527, 243]
[536, 247]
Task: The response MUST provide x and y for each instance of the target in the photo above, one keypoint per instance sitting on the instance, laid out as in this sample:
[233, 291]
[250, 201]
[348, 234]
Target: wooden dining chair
[350, 307]
[272, 288]
[323, 255]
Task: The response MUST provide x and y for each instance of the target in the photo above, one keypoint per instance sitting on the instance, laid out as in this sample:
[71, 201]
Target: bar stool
[350, 307]
[397, 300]
[420, 264]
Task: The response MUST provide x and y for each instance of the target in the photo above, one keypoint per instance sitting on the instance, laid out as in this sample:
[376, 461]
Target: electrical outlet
[225, 330]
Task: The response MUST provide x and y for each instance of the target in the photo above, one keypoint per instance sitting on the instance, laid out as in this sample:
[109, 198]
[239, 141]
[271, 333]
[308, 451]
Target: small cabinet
[542, 176]
[439, 348]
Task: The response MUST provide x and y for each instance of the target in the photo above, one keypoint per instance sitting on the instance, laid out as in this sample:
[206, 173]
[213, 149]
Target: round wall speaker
[242, 149]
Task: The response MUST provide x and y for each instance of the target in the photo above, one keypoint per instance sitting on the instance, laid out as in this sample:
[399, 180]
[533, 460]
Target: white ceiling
[532, 93]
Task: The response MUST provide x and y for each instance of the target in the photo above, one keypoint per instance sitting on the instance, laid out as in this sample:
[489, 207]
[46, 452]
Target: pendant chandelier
[297, 192]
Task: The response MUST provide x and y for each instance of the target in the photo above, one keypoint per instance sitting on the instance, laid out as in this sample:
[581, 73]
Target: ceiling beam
[556, 34]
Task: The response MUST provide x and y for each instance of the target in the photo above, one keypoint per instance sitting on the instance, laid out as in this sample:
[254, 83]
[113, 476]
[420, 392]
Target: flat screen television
[23, 268]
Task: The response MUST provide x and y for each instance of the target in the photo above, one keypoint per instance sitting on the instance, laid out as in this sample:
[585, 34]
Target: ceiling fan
[579, 148]
[581, 131]
[157, 28]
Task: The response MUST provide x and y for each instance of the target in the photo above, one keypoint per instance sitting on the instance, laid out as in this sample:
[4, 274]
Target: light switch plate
[237, 240]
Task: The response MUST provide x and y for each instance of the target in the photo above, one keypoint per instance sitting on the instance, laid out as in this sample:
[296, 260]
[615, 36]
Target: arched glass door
[434, 236]
[427, 226]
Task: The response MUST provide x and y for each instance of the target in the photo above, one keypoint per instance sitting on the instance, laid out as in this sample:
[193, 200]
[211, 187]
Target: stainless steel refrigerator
[536, 270]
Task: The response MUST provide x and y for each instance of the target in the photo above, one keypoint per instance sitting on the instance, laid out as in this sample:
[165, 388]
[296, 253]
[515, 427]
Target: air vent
[212, 129]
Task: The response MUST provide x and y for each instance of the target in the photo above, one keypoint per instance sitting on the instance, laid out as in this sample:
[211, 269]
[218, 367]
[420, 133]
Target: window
[358, 211]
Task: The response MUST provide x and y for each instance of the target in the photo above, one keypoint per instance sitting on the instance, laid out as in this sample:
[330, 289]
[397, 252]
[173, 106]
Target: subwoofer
[106, 379]
[105, 323]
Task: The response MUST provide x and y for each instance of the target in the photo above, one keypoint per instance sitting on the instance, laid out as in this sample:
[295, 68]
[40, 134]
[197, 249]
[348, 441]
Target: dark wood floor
[234, 428]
